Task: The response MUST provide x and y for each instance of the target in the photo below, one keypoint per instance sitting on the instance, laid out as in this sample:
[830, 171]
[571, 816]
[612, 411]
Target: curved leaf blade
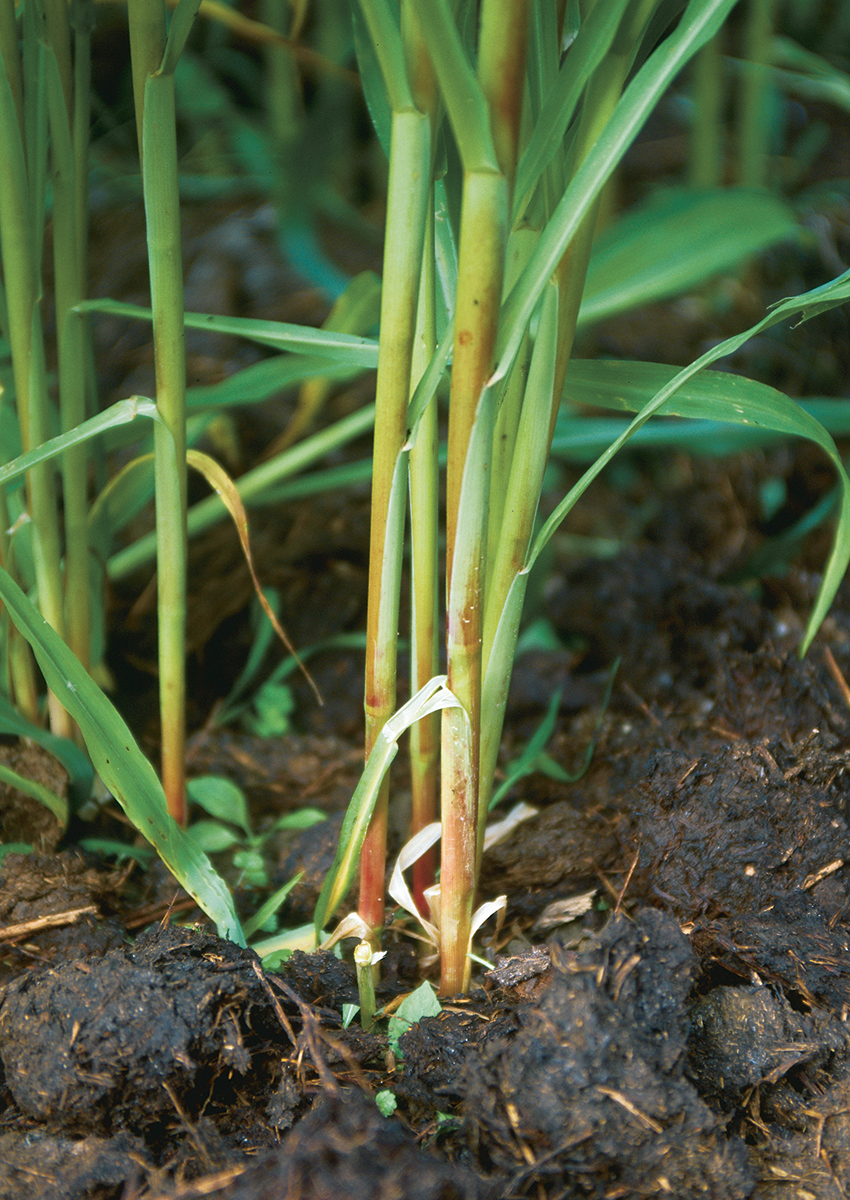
[120, 763]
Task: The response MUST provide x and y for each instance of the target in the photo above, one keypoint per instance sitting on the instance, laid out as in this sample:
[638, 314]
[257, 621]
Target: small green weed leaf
[676, 241]
[80, 773]
[222, 799]
[304, 818]
[36, 791]
[349, 1012]
[212, 837]
[421, 1003]
[252, 866]
[273, 707]
[386, 1102]
[120, 763]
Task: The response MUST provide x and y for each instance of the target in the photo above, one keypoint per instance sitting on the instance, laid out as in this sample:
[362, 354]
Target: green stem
[754, 119]
[502, 50]
[424, 650]
[162, 212]
[470, 442]
[408, 197]
[18, 227]
[67, 236]
[706, 137]
[363, 960]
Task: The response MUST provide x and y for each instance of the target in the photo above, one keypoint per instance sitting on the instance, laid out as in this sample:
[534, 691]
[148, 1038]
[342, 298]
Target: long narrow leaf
[430, 698]
[699, 23]
[113, 417]
[120, 763]
[356, 351]
[777, 412]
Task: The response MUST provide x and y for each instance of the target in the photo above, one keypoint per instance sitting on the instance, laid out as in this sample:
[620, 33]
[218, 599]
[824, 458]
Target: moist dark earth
[665, 1013]
[685, 1036]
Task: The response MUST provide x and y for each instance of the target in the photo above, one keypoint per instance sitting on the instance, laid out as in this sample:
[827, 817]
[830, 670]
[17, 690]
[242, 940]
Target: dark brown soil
[685, 1036]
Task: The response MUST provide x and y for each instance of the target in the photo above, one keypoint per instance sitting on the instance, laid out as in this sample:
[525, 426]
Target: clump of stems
[530, 135]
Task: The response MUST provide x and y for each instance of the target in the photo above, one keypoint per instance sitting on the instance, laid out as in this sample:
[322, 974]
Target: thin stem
[502, 50]
[424, 652]
[72, 355]
[19, 226]
[480, 266]
[754, 118]
[706, 138]
[156, 118]
[408, 197]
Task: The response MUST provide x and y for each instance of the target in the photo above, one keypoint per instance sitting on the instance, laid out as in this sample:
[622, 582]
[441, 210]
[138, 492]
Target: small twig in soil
[203, 1187]
[626, 1103]
[189, 1127]
[161, 912]
[275, 1003]
[627, 880]
[51, 921]
[837, 674]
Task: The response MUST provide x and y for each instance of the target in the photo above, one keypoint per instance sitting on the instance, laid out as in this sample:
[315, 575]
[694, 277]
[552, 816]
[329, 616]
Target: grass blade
[120, 763]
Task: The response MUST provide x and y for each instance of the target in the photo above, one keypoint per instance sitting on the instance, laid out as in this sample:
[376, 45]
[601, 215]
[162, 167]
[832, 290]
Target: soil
[665, 1013]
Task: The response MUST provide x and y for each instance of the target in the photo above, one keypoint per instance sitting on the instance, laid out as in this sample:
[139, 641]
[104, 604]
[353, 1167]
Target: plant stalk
[408, 197]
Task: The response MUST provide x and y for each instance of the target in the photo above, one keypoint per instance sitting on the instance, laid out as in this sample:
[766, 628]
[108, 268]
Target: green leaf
[355, 351]
[421, 1003]
[372, 79]
[699, 23]
[382, 29]
[80, 773]
[120, 763]
[222, 799]
[462, 94]
[182, 20]
[676, 241]
[120, 850]
[386, 1102]
[268, 910]
[303, 818]
[116, 415]
[766, 408]
[267, 378]
[14, 848]
[212, 837]
[36, 791]
[592, 42]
